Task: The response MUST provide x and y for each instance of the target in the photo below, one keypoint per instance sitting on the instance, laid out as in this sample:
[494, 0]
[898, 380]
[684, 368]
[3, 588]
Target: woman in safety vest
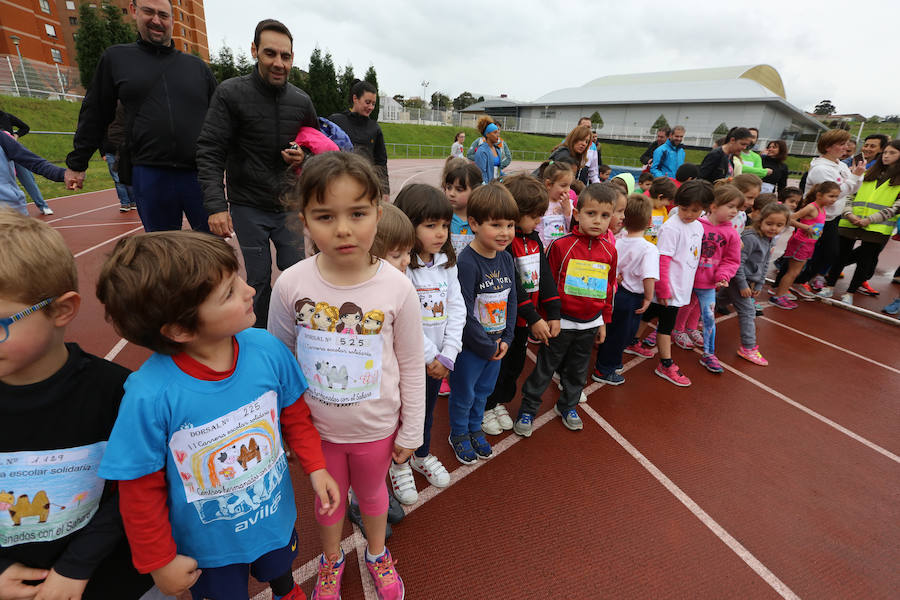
[870, 218]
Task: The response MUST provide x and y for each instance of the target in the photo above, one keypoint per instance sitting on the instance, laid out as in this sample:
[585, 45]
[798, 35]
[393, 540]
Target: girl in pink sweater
[720, 257]
[366, 390]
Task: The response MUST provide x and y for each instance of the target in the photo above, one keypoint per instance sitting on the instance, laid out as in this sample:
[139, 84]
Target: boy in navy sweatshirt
[486, 278]
[584, 266]
[538, 299]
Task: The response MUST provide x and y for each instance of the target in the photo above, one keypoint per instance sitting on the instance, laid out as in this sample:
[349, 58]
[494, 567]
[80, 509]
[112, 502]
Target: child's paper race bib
[232, 457]
[491, 310]
[51, 493]
[460, 240]
[529, 269]
[816, 232]
[656, 222]
[340, 369]
[554, 226]
[586, 278]
[433, 303]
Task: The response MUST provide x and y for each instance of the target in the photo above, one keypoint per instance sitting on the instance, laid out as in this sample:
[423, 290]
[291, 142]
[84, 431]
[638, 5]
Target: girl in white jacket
[432, 269]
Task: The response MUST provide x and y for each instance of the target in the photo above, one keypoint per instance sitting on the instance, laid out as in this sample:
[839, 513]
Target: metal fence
[34, 79]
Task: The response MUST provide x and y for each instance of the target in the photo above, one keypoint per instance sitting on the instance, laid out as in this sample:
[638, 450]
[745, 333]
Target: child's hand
[12, 578]
[601, 334]
[541, 332]
[662, 301]
[644, 306]
[722, 284]
[865, 222]
[57, 587]
[746, 293]
[554, 327]
[327, 489]
[400, 454]
[755, 293]
[502, 347]
[177, 576]
[436, 370]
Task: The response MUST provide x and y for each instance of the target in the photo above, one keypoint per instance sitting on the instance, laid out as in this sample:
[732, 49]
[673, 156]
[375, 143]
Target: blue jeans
[26, 178]
[17, 202]
[707, 300]
[122, 190]
[471, 381]
[162, 195]
[620, 331]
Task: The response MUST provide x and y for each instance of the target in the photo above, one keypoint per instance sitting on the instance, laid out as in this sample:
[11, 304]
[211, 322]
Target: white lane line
[811, 412]
[835, 346]
[112, 354]
[80, 194]
[97, 225]
[78, 214]
[112, 239]
[751, 561]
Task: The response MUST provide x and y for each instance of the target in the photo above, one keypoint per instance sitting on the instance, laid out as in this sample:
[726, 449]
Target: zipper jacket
[585, 271]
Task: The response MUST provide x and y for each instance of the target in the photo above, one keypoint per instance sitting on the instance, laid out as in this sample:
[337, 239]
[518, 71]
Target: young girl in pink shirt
[366, 391]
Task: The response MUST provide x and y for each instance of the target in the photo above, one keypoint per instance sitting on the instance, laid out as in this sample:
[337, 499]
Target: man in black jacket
[248, 130]
[166, 94]
[662, 134]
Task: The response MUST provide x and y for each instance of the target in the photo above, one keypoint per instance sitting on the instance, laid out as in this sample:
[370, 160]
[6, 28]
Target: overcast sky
[840, 50]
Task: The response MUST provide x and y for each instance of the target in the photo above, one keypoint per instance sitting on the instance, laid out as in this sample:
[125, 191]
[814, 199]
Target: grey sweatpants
[746, 312]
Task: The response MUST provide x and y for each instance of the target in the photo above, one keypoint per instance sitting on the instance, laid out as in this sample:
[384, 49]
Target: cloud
[825, 49]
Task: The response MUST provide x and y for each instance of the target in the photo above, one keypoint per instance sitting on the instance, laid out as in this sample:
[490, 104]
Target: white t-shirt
[681, 241]
[739, 222]
[637, 260]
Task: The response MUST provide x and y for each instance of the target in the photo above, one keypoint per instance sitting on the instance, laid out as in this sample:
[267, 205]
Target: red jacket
[535, 287]
[587, 286]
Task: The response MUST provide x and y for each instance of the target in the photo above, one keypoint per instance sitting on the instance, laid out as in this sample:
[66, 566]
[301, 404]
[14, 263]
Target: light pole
[15, 40]
[425, 85]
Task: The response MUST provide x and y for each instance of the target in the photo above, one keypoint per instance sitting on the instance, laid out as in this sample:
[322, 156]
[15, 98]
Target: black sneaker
[395, 512]
[611, 379]
[356, 518]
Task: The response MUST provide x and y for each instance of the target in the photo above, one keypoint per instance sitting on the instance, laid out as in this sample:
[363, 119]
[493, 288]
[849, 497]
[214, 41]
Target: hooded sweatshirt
[12, 152]
[755, 254]
[823, 169]
[720, 254]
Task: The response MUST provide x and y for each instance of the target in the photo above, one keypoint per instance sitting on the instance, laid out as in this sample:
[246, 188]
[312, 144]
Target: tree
[659, 123]
[372, 78]
[825, 107]
[299, 78]
[722, 129]
[597, 120]
[874, 119]
[244, 66]
[464, 100]
[345, 82]
[415, 102]
[439, 100]
[119, 31]
[222, 64]
[98, 30]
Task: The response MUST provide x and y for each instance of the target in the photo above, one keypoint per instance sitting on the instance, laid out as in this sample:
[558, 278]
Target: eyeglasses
[7, 321]
[150, 13]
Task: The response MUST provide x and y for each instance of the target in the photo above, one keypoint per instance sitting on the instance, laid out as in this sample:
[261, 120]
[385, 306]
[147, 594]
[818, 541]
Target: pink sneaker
[696, 336]
[445, 388]
[783, 302]
[328, 582]
[711, 363]
[682, 340]
[753, 355]
[673, 374]
[650, 340]
[388, 584]
[638, 349]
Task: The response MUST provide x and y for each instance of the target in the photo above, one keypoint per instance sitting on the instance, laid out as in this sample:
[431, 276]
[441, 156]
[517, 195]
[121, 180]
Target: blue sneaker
[570, 419]
[462, 448]
[611, 379]
[480, 445]
[893, 308]
[524, 425]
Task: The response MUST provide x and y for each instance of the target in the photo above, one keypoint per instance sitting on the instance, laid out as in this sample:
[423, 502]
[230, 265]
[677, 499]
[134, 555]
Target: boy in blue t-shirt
[205, 493]
[487, 281]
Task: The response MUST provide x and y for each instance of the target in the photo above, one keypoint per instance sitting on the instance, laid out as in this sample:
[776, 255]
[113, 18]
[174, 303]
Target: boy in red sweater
[584, 266]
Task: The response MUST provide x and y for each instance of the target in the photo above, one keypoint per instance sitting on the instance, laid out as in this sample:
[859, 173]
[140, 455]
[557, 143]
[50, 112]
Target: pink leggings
[362, 466]
[688, 315]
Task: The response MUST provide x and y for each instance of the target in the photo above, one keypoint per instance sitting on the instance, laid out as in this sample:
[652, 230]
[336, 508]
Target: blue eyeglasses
[7, 321]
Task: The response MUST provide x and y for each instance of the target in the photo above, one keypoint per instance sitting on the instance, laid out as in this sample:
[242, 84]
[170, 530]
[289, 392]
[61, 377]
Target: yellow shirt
[657, 218]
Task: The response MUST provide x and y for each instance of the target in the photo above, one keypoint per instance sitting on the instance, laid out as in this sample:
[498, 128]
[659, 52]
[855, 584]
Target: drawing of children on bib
[303, 311]
[372, 322]
[325, 317]
[350, 318]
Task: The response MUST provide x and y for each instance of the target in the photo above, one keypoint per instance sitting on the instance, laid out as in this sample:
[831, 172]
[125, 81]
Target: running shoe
[47, 210]
[462, 448]
[489, 423]
[711, 363]
[356, 517]
[867, 289]
[682, 340]
[503, 418]
[445, 388]
[638, 349]
[402, 483]
[817, 282]
[480, 445]
[295, 594]
[388, 585]
[328, 581]
[788, 295]
[123, 208]
[783, 302]
[804, 291]
[847, 299]
[753, 355]
[825, 292]
[611, 379]
[650, 340]
[893, 308]
[759, 309]
[432, 468]
[570, 419]
[524, 425]
[696, 337]
[673, 374]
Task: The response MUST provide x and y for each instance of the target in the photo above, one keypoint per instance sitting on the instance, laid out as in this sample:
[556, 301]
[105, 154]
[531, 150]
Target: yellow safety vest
[870, 199]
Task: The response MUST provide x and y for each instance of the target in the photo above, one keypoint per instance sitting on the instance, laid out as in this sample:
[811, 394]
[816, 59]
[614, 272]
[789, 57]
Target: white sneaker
[583, 399]
[403, 484]
[47, 211]
[433, 470]
[489, 423]
[503, 418]
[847, 299]
[825, 292]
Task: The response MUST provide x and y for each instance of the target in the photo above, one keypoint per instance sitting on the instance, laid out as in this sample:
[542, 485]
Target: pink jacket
[314, 140]
[720, 254]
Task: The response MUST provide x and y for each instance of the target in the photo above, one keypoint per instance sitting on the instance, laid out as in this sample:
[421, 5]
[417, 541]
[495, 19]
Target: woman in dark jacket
[773, 158]
[720, 162]
[364, 132]
[573, 149]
